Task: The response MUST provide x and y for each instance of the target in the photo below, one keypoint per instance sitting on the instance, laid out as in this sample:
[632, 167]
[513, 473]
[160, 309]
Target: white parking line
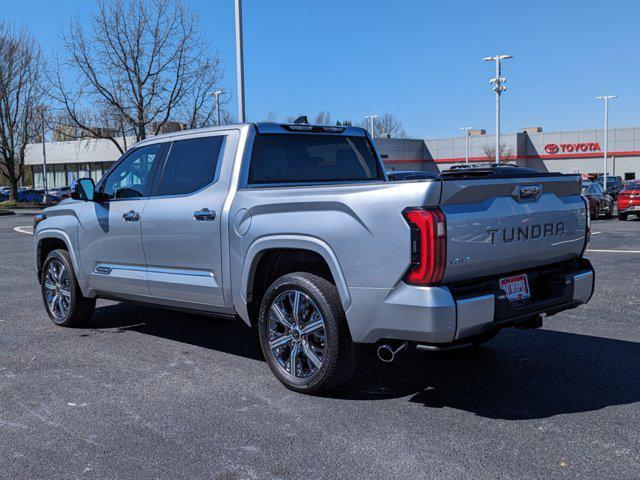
[596, 233]
[27, 230]
[614, 251]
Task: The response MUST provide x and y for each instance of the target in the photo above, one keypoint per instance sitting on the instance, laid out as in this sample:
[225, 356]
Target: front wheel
[622, 216]
[304, 334]
[61, 293]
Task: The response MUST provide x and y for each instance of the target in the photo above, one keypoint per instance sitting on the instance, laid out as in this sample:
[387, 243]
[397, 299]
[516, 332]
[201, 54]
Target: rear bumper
[443, 315]
[630, 209]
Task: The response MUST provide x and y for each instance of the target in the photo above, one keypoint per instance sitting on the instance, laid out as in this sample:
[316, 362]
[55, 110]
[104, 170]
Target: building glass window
[38, 180]
[630, 176]
[59, 177]
[72, 173]
[83, 170]
[96, 171]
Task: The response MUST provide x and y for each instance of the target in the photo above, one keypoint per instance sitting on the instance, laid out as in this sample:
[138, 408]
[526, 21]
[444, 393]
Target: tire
[79, 309]
[622, 217]
[331, 344]
[594, 214]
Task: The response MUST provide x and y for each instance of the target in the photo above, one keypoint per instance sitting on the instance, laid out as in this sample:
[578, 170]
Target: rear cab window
[309, 159]
[191, 165]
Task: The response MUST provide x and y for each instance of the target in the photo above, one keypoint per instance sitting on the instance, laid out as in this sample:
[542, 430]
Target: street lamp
[371, 122]
[217, 94]
[45, 197]
[606, 99]
[240, 61]
[466, 143]
[497, 81]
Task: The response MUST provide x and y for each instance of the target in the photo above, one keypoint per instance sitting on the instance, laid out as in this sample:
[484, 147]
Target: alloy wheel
[57, 288]
[296, 334]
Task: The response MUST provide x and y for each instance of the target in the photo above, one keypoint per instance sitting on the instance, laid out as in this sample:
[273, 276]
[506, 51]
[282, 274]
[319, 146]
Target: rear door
[110, 238]
[181, 228]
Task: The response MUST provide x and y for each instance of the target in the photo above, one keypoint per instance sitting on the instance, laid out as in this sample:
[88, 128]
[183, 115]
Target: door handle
[131, 216]
[204, 215]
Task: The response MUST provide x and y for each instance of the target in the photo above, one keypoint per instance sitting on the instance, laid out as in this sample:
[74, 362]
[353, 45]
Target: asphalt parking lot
[145, 393]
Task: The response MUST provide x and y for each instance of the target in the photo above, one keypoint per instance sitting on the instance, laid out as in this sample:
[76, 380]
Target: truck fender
[302, 242]
[60, 235]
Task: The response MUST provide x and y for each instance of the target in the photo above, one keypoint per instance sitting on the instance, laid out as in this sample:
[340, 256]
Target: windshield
[312, 159]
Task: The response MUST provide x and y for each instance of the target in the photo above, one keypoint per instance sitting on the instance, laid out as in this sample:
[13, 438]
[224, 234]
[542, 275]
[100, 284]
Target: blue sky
[420, 60]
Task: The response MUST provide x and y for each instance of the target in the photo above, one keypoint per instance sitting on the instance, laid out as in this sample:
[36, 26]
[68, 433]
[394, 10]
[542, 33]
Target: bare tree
[506, 152]
[20, 95]
[144, 63]
[322, 118]
[385, 125]
[271, 116]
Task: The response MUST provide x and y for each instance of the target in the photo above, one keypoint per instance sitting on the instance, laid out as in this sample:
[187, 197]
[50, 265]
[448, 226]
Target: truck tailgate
[502, 225]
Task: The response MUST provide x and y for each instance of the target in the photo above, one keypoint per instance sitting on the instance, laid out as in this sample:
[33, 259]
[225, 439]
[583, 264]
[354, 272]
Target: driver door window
[130, 179]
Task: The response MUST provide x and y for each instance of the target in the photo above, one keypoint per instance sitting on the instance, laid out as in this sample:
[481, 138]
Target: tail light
[587, 233]
[428, 246]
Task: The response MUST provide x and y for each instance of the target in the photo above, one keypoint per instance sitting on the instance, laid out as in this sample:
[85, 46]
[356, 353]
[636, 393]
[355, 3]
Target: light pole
[371, 123]
[217, 94]
[240, 61]
[497, 81]
[606, 99]
[466, 143]
[44, 158]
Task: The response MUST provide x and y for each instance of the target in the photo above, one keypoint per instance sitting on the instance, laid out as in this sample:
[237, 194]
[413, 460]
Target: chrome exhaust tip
[387, 354]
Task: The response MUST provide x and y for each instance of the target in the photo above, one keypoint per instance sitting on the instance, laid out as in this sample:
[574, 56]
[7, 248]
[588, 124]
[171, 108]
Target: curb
[6, 213]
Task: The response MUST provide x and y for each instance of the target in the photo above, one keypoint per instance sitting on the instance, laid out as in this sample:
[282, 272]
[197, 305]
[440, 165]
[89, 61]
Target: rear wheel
[622, 216]
[61, 293]
[304, 334]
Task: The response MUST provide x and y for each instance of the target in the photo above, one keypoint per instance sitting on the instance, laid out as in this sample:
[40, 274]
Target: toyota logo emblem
[551, 148]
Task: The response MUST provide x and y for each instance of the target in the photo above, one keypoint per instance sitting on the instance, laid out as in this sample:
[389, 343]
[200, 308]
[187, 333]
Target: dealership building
[577, 151]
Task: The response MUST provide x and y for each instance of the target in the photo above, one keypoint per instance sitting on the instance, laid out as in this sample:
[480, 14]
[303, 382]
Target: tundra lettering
[527, 232]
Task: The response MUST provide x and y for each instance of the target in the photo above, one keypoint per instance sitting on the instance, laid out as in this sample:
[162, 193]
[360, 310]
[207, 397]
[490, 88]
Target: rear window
[312, 159]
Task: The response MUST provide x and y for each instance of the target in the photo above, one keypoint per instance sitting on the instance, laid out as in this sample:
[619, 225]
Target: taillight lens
[428, 246]
[587, 233]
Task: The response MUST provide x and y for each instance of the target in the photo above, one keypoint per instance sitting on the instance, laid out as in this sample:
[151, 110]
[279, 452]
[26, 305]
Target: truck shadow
[521, 374]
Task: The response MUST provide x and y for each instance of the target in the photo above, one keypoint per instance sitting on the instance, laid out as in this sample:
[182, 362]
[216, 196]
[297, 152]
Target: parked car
[629, 201]
[30, 195]
[614, 185]
[600, 203]
[295, 229]
[61, 193]
[397, 175]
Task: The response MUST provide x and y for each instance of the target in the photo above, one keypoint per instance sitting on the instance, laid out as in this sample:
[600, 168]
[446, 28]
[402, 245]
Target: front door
[110, 239]
[181, 228]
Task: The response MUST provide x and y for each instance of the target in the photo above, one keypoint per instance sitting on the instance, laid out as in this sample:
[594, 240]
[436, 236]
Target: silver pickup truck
[297, 230]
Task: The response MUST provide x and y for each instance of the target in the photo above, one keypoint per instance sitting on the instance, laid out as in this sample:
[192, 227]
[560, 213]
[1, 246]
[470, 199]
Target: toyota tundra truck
[295, 229]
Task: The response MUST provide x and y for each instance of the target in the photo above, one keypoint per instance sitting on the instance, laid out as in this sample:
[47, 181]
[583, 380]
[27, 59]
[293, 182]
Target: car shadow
[521, 374]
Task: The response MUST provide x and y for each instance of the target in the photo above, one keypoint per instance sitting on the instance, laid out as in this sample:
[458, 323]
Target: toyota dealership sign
[558, 148]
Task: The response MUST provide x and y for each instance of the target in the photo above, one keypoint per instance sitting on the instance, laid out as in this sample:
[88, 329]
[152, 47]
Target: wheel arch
[51, 239]
[263, 246]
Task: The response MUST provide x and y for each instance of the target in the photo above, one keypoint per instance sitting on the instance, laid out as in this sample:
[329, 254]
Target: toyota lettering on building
[555, 148]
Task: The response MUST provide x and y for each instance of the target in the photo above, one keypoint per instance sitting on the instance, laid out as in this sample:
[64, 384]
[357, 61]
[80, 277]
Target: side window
[190, 165]
[130, 179]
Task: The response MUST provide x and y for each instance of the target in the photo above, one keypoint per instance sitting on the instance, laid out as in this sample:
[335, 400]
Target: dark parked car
[600, 203]
[629, 201]
[614, 185]
[411, 175]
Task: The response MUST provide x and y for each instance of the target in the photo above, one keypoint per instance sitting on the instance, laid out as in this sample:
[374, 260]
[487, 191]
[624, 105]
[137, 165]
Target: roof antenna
[301, 119]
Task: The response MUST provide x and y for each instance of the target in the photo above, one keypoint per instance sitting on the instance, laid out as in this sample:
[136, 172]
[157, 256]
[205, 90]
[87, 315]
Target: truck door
[110, 237]
[182, 226]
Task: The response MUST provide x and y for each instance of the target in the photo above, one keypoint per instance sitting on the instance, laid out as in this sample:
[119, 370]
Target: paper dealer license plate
[516, 287]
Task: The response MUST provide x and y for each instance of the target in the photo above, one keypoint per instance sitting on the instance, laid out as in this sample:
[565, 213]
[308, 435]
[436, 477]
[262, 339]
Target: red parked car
[600, 203]
[629, 201]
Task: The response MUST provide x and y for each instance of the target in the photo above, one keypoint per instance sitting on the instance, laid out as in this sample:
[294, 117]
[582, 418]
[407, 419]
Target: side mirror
[84, 189]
